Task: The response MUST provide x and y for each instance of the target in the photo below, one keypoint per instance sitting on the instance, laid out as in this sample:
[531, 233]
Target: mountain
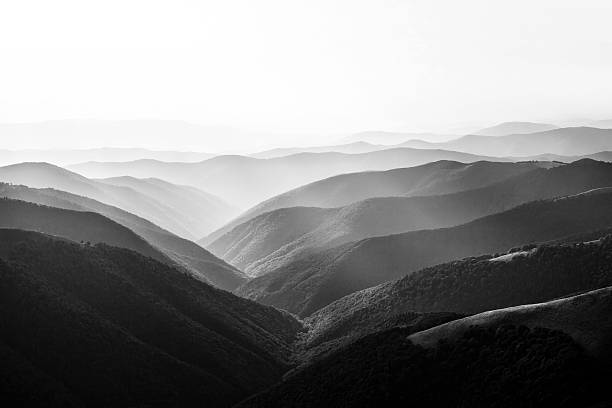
[313, 281]
[152, 207]
[201, 212]
[245, 181]
[438, 177]
[571, 141]
[62, 157]
[194, 258]
[274, 239]
[105, 326]
[554, 354]
[514, 128]
[602, 124]
[349, 148]
[472, 285]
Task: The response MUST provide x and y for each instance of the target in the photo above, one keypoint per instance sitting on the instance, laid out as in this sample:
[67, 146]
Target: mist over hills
[272, 240]
[154, 335]
[437, 177]
[245, 181]
[514, 128]
[569, 141]
[194, 258]
[136, 198]
[311, 282]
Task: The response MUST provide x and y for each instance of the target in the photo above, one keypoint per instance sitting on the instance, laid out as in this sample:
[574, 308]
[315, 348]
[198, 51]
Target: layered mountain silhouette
[549, 354]
[438, 177]
[569, 141]
[311, 282]
[105, 326]
[201, 212]
[515, 128]
[246, 181]
[194, 258]
[349, 148]
[277, 238]
[143, 198]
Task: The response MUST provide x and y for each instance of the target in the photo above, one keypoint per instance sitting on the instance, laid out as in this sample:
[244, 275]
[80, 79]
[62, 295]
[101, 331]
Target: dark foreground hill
[274, 239]
[473, 285]
[534, 356]
[439, 177]
[312, 282]
[194, 258]
[105, 326]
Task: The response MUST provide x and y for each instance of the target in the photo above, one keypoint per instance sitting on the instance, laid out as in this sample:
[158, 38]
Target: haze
[277, 73]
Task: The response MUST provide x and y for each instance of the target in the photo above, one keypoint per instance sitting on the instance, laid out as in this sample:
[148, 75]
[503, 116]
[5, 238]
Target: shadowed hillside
[106, 326]
[473, 285]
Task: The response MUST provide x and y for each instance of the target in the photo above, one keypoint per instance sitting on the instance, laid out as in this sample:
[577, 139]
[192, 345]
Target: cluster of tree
[503, 366]
[106, 326]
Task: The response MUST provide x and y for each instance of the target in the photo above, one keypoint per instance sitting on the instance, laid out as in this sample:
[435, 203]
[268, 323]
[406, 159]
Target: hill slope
[511, 357]
[312, 282]
[194, 258]
[271, 240]
[144, 204]
[245, 181]
[432, 178]
[472, 285]
[110, 327]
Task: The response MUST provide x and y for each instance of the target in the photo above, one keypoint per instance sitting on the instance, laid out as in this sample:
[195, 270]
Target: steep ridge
[554, 354]
[439, 177]
[313, 281]
[202, 212]
[194, 258]
[473, 285]
[392, 215]
[112, 327]
[43, 175]
[245, 181]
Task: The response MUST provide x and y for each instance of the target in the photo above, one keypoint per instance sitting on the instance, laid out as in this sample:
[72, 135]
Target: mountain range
[312, 281]
[275, 239]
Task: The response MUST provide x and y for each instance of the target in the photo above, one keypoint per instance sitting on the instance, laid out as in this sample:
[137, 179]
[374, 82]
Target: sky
[303, 72]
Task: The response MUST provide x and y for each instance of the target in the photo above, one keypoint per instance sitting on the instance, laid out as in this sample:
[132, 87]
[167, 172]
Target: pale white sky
[318, 66]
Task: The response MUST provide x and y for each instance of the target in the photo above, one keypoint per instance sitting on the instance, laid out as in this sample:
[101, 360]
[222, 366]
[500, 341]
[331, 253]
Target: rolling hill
[313, 281]
[472, 285]
[554, 354]
[274, 239]
[194, 258]
[349, 148]
[439, 177]
[42, 175]
[245, 181]
[105, 326]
